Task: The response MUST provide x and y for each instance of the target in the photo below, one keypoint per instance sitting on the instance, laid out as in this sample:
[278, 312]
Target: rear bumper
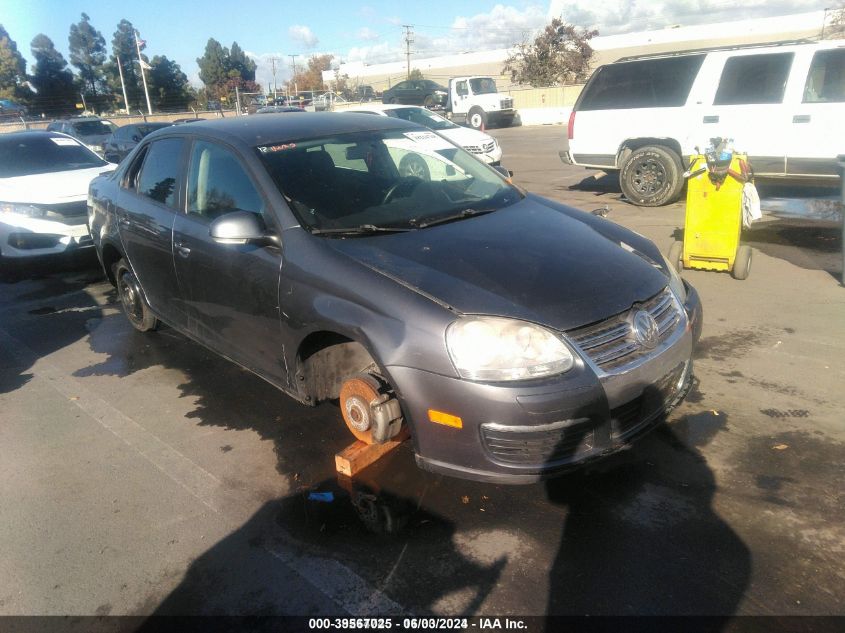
[517, 433]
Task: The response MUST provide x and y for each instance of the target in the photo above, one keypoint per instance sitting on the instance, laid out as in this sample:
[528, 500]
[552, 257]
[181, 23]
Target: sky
[369, 30]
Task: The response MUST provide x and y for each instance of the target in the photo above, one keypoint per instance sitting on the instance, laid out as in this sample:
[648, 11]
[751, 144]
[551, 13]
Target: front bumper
[492, 158]
[523, 432]
[22, 237]
[565, 157]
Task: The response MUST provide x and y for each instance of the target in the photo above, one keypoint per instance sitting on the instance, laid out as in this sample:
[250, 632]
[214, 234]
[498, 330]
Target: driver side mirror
[241, 227]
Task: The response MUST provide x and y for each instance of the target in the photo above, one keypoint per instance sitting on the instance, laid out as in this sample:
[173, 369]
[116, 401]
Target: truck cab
[477, 101]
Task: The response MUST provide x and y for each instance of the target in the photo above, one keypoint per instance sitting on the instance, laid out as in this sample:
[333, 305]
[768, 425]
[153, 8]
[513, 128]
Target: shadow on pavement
[636, 532]
[38, 289]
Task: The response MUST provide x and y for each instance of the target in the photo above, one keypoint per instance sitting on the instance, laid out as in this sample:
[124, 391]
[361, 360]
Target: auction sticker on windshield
[429, 140]
[60, 140]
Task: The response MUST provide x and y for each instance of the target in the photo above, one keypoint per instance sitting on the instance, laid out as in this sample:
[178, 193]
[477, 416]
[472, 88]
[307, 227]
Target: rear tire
[651, 176]
[132, 298]
[742, 263]
[675, 256]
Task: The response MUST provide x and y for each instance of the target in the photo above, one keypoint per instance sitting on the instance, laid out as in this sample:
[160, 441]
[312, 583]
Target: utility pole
[122, 84]
[275, 92]
[293, 61]
[408, 41]
[143, 65]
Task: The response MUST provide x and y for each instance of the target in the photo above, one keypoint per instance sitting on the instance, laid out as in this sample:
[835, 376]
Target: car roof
[26, 134]
[256, 130]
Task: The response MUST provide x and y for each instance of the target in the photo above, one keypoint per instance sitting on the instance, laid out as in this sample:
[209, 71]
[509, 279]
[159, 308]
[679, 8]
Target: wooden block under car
[357, 456]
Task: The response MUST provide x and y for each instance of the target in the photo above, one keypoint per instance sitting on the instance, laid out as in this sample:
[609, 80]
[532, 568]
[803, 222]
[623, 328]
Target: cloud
[501, 27]
[367, 34]
[303, 35]
[624, 16]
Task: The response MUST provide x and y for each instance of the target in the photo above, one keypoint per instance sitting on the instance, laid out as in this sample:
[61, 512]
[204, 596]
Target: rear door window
[160, 172]
[754, 79]
[647, 83]
[826, 80]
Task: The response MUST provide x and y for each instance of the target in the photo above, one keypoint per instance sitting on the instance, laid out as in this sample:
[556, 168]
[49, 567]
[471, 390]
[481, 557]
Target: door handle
[712, 118]
[801, 118]
[183, 250]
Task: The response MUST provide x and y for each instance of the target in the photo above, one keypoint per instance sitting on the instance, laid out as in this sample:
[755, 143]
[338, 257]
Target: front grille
[538, 446]
[611, 344]
[630, 418]
[486, 148]
[506, 104]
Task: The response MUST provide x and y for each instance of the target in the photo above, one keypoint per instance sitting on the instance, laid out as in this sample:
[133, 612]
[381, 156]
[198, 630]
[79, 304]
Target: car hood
[528, 261]
[465, 136]
[50, 188]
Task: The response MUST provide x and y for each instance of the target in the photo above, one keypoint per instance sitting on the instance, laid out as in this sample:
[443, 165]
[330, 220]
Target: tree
[241, 64]
[561, 54]
[88, 53]
[54, 83]
[834, 27]
[416, 73]
[312, 77]
[12, 68]
[168, 85]
[124, 49]
[222, 69]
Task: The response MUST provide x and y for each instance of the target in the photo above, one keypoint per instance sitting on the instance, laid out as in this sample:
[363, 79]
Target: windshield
[382, 178]
[423, 117]
[43, 155]
[482, 85]
[93, 128]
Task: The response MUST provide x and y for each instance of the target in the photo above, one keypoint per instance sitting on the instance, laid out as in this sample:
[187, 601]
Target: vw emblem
[645, 329]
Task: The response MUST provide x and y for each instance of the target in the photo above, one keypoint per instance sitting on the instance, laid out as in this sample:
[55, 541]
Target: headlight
[675, 282]
[495, 348]
[29, 210]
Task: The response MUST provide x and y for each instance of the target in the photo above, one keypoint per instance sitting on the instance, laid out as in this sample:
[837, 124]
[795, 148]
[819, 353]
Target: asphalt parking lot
[142, 474]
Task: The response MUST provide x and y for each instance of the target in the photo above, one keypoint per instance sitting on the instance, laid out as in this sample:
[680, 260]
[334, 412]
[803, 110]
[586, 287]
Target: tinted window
[647, 83]
[422, 117]
[826, 81]
[218, 184]
[92, 128]
[404, 85]
[483, 85]
[461, 87]
[160, 171]
[122, 133]
[22, 156]
[754, 79]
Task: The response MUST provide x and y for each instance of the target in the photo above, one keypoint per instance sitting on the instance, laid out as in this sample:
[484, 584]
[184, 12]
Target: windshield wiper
[461, 215]
[362, 229]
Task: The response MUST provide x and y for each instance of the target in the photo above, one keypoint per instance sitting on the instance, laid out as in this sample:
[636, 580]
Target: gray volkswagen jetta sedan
[369, 261]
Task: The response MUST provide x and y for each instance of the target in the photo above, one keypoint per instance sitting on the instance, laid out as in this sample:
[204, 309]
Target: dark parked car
[422, 92]
[124, 139]
[9, 110]
[274, 109]
[515, 336]
[91, 130]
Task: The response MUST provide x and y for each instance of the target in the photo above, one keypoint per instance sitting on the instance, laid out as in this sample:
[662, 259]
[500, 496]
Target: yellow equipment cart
[714, 219]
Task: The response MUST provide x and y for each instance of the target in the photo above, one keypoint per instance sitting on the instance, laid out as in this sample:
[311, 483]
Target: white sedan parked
[482, 145]
[44, 179]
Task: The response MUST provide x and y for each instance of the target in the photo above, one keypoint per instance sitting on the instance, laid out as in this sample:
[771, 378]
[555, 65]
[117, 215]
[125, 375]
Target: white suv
[783, 104]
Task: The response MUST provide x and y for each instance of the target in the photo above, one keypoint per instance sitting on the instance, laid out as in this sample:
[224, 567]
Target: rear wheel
[132, 298]
[651, 176]
[742, 263]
